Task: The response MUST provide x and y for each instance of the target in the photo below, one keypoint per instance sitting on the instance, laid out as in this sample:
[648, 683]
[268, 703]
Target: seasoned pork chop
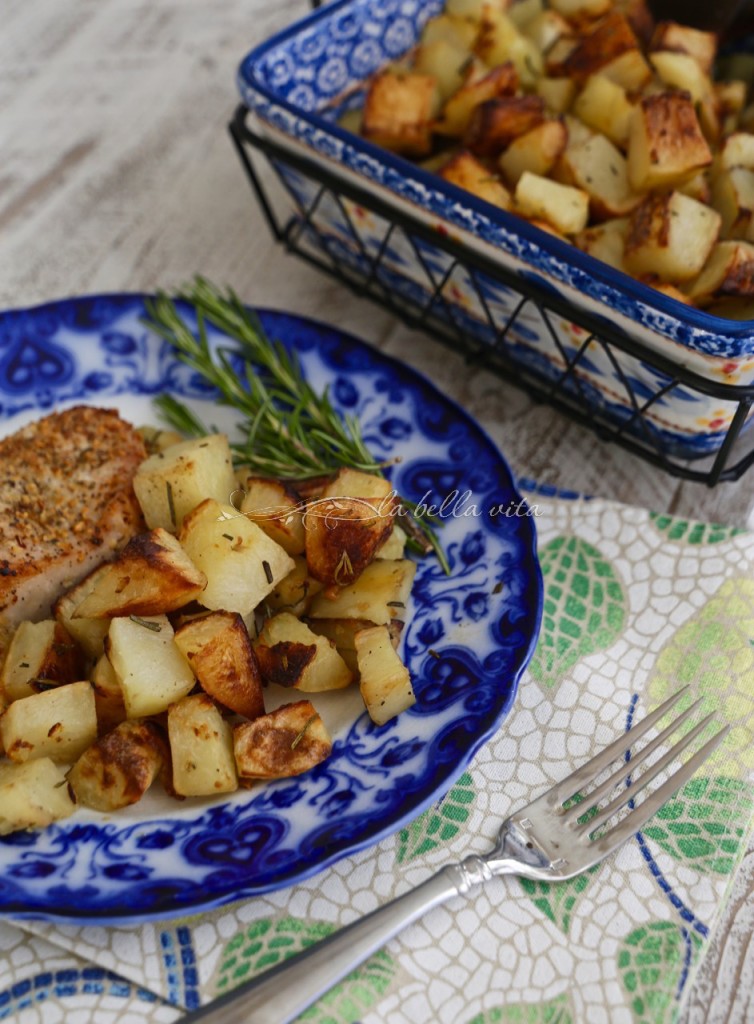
[66, 503]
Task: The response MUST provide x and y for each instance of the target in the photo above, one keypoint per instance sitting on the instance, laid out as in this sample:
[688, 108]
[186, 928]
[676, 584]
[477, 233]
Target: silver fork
[551, 839]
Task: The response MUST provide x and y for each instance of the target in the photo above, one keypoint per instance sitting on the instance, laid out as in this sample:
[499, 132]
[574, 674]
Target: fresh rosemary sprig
[290, 431]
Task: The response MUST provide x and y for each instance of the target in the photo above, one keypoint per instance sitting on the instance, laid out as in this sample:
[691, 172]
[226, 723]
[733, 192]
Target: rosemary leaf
[290, 431]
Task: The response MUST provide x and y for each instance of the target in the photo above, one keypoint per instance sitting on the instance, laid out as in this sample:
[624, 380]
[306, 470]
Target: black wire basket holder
[299, 232]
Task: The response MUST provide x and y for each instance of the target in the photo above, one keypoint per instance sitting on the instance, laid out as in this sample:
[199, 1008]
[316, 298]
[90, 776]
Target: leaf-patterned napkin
[635, 606]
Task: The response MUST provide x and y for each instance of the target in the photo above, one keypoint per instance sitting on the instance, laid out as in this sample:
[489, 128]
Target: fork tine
[651, 773]
[589, 771]
[638, 817]
[593, 798]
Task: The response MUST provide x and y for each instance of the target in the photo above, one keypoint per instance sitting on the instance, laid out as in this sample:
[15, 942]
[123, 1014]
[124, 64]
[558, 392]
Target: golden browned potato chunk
[342, 633]
[33, 795]
[241, 563]
[576, 10]
[59, 723]
[278, 509]
[666, 143]
[558, 93]
[479, 87]
[670, 236]
[352, 483]
[467, 172]
[385, 682]
[728, 271]
[343, 536]
[288, 741]
[499, 40]
[380, 594]
[600, 169]
[173, 482]
[219, 651]
[150, 576]
[496, 123]
[119, 768]
[606, 242]
[41, 654]
[291, 654]
[609, 47]
[563, 207]
[151, 671]
[702, 46]
[201, 748]
[536, 150]
[399, 110]
[89, 634]
[605, 107]
[733, 198]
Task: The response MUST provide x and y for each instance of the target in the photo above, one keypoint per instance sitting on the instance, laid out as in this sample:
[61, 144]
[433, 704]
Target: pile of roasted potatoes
[156, 665]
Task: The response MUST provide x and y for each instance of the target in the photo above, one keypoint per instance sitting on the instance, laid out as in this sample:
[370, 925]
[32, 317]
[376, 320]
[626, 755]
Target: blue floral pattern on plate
[467, 639]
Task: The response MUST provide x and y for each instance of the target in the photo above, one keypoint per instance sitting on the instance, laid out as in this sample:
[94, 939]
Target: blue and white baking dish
[299, 82]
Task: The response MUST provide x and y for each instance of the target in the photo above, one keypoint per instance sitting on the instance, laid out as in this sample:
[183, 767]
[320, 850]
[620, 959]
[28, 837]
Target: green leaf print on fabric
[557, 899]
[651, 961]
[584, 607]
[555, 1011]
[704, 823]
[712, 653]
[439, 824]
[267, 942]
[692, 532]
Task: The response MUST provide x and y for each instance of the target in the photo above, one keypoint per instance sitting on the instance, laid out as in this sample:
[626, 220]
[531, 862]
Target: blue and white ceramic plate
[467, 639]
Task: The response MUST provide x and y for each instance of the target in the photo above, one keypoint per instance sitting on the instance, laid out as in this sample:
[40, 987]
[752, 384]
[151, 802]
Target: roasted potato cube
[41, 654]
[468, 173]
[608, 47]
[460, 32]
[558, 93]
[33, 795]
[564, 207]
[604, 106]
[598, 168]
[294, 593]
[385, 681]
[733, 198]
[278, 510]
[151, 670]
[443, 60]
[89, 634]
[666, 144]
[171, 483]
[58, 723]
[218, 649]
[241, 563]
[291, 654]
[343, 536]
[380, 594]
[119, 768]
[499, 41]
[680, 71]
[478, 88]
[671, 236]
[698, 187]
[535, 151]
[342, 633]
[398, 112]
[151, 575]
[496, 123]
[738, 151]
[702, 46]
[285, 742]
[201, 748]
[108, 696]
[728, 271]
[606, 242]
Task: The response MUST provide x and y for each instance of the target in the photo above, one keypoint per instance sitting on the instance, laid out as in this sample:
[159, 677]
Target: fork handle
[279, 995]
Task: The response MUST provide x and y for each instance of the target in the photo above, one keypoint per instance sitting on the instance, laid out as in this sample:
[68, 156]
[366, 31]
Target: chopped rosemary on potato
[301, 735]
[291, 431]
